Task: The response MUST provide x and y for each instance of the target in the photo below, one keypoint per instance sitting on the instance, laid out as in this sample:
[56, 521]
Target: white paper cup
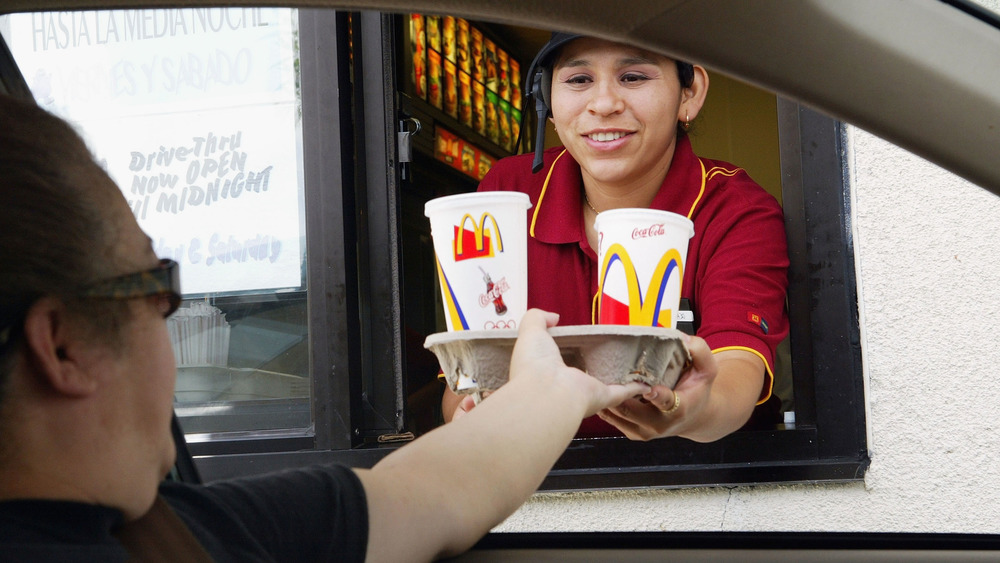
[481, 246]
[641, 253]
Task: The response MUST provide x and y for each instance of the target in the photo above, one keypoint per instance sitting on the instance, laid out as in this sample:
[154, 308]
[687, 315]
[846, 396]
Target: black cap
[547, 52]
[538, 89]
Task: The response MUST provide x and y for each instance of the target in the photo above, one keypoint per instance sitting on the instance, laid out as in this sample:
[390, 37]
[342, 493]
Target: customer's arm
[438, 495]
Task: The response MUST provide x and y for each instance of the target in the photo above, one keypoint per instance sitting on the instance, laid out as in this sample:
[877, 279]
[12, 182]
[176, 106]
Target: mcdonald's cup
[642, 254]
[481, 250]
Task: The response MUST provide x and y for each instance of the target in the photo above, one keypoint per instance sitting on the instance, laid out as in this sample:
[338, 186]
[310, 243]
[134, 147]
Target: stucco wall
[927, 246]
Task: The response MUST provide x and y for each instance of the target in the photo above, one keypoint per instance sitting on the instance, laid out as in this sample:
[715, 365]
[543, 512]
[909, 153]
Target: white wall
[927, 246]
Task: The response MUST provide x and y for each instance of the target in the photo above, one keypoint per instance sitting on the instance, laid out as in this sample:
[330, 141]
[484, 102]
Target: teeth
[606, 136]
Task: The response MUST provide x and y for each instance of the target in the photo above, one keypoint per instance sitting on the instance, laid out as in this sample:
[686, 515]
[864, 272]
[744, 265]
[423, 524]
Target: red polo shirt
[737, 263]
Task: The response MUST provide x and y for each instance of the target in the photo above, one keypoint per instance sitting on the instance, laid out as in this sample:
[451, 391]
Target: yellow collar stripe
[705, 177]
[545, 186]
[701, 191]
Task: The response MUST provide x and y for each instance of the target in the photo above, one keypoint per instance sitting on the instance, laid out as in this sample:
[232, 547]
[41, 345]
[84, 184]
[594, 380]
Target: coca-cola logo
[498, 289]
[650, 231]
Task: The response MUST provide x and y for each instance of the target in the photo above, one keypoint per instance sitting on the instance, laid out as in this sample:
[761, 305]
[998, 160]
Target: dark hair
[55, 233]
[685, 73]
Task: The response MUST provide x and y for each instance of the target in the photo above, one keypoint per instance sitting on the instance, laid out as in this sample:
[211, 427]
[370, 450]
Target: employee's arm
[450, 401]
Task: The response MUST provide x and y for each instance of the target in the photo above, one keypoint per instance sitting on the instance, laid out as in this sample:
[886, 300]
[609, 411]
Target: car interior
[853, 61]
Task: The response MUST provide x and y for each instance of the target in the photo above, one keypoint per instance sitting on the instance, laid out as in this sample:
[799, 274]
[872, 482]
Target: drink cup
[641, 253]
[481, 249]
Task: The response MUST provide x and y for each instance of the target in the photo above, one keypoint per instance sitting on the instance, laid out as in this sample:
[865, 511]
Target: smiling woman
[621, 114]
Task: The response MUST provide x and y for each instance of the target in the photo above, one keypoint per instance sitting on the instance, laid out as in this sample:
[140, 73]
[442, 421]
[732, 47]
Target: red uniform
[737, 263]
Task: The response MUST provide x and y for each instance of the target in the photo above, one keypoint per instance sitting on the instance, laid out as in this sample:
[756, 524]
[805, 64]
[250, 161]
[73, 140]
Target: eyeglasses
[162, 281]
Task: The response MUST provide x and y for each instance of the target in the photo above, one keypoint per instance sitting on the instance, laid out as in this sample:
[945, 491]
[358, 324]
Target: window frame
[829, 441]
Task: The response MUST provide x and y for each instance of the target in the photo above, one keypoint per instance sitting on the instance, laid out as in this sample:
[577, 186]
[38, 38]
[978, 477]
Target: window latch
[394, 438]
[407, 128]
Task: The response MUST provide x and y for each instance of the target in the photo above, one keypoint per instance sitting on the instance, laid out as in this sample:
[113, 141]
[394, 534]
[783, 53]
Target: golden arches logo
[642, 309]
[479, 242]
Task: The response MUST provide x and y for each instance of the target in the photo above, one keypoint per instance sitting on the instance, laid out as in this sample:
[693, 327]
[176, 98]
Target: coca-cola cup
[481, 250]
[641, 254]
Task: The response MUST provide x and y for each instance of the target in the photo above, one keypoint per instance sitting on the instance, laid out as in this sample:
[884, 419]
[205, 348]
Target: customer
[86, 395]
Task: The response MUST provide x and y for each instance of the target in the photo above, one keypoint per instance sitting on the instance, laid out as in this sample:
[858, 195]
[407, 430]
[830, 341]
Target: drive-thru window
[284, 157]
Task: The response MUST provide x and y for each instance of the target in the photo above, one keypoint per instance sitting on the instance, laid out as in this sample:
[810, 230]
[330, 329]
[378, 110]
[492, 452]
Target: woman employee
[622, 114]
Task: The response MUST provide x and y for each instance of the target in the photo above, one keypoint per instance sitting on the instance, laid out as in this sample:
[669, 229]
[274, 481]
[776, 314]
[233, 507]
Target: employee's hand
[715, 397]
[465, 404]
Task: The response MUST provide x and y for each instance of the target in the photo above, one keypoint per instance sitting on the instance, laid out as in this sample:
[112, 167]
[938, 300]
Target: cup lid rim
[465, 198]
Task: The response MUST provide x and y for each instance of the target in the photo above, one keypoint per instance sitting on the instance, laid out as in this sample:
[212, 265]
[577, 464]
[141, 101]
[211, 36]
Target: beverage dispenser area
[462, 80]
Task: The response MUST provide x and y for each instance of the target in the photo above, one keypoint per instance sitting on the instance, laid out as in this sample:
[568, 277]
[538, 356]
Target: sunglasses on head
[162, 281]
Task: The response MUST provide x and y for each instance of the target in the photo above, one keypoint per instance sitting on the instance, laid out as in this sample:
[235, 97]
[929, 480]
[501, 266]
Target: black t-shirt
[310, 514]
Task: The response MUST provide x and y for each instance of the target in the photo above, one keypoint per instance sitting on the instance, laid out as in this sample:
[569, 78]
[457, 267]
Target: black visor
[538, 89]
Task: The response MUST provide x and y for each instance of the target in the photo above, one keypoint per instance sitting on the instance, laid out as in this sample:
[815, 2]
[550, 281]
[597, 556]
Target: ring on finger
[675, 406]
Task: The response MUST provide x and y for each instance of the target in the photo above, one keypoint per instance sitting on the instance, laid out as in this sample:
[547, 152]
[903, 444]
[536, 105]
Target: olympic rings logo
[490, 325]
